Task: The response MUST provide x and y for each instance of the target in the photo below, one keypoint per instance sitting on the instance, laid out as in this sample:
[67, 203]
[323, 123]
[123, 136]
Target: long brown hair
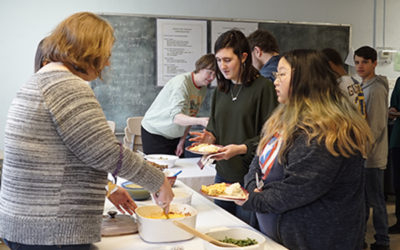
[317, 107]
[236, 40]
[82, 41]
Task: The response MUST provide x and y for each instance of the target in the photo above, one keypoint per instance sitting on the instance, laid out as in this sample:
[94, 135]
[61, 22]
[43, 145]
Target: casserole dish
[164, 230]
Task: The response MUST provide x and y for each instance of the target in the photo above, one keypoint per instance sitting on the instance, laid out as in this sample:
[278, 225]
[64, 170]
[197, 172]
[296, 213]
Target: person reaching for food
[59, 149]
[166, 123]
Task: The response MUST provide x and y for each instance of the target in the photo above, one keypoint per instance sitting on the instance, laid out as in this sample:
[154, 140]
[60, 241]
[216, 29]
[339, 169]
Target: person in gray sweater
[310, 159]
[58, 147]
[376, 89]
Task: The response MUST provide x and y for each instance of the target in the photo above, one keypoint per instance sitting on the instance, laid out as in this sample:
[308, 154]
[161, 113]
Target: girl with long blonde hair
[310, 159]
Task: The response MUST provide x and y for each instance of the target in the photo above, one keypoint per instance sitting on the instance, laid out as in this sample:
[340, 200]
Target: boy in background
[264, 53]
[375, 90]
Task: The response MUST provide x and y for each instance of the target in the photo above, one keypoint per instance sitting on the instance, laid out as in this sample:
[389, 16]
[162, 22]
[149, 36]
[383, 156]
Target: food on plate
[171, 215]
[214, 189]
[234, 190]
[240, 243]
[218, 189]
[161, 167]
[205, 148]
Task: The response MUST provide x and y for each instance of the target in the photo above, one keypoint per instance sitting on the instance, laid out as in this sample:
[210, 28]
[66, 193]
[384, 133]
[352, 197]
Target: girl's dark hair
[312, 77]
[236, 40]
[333, 56]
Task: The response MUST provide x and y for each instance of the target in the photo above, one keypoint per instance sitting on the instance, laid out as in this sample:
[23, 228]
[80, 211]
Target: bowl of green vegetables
[244, 238]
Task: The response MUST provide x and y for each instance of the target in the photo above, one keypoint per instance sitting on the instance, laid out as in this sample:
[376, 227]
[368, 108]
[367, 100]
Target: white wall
[24, 23]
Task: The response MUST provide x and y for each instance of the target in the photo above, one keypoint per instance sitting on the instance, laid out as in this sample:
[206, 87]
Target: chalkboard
[129, 87]
[309, 36]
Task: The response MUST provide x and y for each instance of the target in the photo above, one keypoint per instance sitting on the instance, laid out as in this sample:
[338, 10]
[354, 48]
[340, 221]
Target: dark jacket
[319, 202]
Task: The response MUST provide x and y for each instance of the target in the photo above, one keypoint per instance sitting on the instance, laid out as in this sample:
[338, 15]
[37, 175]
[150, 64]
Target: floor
[394, 238]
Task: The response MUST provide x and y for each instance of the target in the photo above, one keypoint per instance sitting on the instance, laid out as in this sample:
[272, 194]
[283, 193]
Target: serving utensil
[259, 183]
[165, 212]
[176, 174]
[205, 237]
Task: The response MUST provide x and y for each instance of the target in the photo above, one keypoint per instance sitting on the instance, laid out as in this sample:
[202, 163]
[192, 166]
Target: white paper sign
[179, 44]
[219, 27]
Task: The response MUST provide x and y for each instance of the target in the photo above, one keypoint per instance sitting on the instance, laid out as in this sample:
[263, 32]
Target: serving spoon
[205, 237]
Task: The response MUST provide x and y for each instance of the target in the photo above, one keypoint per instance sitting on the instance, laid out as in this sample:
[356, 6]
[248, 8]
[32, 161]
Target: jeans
[245, 215]
[375, 199]
[18, 246]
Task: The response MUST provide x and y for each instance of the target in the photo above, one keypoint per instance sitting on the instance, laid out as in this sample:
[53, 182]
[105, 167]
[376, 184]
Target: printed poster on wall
[179, 44]
[219, 27]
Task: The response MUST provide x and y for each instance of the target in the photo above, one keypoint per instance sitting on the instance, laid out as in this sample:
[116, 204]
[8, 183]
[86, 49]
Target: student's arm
[185, 120]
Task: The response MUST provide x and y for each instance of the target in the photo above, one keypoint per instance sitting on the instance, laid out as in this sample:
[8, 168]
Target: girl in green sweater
[240, 105]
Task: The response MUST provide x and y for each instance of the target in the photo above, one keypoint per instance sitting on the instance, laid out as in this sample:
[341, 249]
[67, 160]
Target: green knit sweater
[58, 150]
[240, 122]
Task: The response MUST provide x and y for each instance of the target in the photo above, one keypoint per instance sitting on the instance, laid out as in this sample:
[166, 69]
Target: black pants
[157, 144]
[18, 246]
[395, 153]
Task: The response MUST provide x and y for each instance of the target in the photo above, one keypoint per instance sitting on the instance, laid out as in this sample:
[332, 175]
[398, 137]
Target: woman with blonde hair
[310, 159]
[59, 148]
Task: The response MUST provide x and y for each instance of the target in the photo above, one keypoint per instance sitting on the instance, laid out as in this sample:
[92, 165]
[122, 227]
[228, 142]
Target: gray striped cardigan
[58, 150]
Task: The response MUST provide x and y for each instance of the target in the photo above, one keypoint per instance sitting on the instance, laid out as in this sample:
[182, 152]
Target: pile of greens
[240, 243]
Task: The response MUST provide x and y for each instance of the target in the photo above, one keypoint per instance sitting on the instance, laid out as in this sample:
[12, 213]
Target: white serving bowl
[181, 196]
[162, 159]
[235, 233]
[164, 230]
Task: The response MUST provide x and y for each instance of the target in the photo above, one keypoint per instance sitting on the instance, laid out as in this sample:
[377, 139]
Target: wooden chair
[133, 134]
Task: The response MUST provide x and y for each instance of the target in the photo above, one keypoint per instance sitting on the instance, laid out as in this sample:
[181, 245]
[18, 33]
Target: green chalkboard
[310, 36]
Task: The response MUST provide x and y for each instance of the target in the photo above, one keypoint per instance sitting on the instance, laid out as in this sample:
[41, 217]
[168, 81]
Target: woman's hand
[123, 201]
[203, 137]
[230, 151]
[241, 202]
[164, 196]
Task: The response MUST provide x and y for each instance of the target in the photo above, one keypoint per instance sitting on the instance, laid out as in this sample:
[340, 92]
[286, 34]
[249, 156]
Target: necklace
[234, 98]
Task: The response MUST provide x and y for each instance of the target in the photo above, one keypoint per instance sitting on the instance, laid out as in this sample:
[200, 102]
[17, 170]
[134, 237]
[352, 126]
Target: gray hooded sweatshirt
[376, 99]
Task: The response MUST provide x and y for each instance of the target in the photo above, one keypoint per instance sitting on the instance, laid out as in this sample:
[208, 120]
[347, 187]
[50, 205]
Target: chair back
[133, 134]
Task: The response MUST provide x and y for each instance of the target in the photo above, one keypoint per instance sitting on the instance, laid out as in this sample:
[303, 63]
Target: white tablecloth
[209, 216]
[192, 175]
